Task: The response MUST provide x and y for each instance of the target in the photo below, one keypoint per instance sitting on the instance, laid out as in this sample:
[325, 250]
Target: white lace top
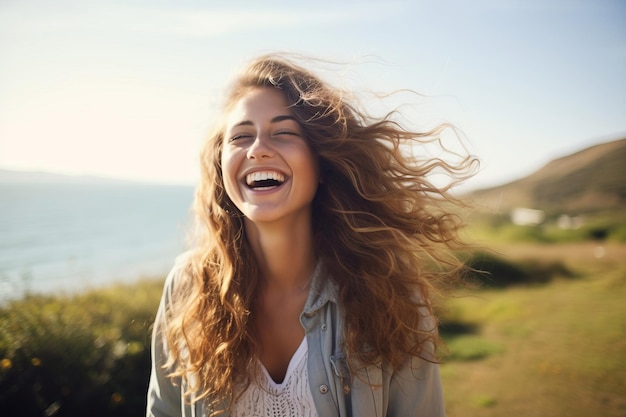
[290, 398]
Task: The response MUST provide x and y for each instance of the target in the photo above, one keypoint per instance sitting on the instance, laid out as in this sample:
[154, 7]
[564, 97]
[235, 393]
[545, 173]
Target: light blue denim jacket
[414, 390]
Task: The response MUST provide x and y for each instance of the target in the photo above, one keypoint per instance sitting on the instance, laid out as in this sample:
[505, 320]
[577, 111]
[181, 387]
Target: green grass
[471, 347]
[554, 349]
[497, 228]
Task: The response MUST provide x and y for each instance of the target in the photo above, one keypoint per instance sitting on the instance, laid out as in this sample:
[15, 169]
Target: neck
[285, 254]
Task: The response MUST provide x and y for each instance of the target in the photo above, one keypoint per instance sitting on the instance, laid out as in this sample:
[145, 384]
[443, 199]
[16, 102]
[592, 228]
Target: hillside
[591, 180]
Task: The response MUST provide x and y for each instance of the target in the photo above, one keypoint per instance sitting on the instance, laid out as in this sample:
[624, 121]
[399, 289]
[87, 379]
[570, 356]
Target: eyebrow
[276, 119]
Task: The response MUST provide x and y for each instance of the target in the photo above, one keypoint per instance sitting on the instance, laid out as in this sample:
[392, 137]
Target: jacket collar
[323, 290]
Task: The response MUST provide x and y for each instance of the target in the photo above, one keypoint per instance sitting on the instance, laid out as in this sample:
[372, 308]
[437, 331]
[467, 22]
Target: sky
[128, 89]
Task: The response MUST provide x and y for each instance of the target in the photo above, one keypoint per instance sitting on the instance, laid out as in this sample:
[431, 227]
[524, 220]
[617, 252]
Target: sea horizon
[59, 237]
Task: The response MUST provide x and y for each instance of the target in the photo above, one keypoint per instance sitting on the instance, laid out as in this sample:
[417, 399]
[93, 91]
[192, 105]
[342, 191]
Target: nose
[260, 148]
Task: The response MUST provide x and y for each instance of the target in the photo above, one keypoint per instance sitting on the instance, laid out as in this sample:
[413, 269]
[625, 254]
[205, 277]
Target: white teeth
[264, 175]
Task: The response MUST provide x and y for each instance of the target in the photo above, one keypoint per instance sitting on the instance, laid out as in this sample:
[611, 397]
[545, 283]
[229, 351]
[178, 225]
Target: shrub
[490, 270]
[77, 356]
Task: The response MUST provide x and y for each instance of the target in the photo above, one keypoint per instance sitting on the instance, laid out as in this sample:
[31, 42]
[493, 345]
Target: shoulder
[178, 279]
[180, 273]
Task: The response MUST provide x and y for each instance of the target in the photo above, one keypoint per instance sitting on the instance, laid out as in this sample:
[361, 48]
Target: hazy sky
[129, 88]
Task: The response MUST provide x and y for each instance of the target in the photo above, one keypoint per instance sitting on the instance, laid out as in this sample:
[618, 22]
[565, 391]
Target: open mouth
[264, 180]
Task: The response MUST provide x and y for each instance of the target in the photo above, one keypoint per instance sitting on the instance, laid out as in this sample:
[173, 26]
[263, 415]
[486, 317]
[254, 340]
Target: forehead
[258, 103]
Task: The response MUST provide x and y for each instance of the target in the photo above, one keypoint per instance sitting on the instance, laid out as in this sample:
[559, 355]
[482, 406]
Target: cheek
[311, 163]
[310, 175]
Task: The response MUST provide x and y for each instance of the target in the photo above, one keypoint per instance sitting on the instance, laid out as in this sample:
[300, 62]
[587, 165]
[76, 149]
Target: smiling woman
[310, 290]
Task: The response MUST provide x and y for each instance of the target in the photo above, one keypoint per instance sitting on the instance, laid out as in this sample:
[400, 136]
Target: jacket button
[323, 389]
[324, 327]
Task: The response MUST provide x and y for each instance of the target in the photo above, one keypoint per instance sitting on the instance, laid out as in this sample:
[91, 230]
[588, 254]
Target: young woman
[310, 290]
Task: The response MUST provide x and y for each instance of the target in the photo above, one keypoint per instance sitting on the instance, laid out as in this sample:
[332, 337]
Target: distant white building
[527, 217]
[569, 222]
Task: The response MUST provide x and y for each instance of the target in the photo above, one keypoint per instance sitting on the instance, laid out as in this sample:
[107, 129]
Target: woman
[310, 290]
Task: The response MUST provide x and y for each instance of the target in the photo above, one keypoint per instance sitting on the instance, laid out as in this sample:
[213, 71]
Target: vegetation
[599, 227]
[550, 349]
[524, 346]
[491, 270]
[77, 356]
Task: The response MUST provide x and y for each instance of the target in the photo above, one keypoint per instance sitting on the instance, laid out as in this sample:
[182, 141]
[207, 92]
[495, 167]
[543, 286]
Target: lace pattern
[290, 398]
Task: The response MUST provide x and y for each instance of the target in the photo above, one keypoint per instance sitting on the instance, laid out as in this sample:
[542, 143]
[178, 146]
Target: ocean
[69, 237]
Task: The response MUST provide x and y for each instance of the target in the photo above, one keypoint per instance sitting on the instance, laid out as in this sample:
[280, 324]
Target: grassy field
[556, 349]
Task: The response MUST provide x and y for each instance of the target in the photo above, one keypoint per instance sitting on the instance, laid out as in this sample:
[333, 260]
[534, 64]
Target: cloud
[213, 23]
[200, 22]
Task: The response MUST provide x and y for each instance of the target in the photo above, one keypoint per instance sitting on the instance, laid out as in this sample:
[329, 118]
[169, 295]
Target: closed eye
[240, 136]
[287, 132]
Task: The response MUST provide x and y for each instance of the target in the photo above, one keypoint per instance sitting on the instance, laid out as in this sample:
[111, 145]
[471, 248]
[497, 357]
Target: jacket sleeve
[415, 390]
[164, 393]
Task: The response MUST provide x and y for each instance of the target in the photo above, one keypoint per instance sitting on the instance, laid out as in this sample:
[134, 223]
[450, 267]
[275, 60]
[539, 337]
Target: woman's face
[270, 172]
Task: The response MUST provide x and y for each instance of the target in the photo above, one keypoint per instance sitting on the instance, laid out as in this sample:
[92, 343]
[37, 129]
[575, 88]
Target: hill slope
[590, 180]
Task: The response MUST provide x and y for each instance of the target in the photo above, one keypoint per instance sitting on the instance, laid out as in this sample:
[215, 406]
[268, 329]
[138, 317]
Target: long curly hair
[382, 229]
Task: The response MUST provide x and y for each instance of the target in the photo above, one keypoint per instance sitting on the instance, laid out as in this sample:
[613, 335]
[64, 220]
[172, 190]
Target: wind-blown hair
[378, 227]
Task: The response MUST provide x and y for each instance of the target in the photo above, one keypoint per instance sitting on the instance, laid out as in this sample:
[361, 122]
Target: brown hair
[379, 230]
